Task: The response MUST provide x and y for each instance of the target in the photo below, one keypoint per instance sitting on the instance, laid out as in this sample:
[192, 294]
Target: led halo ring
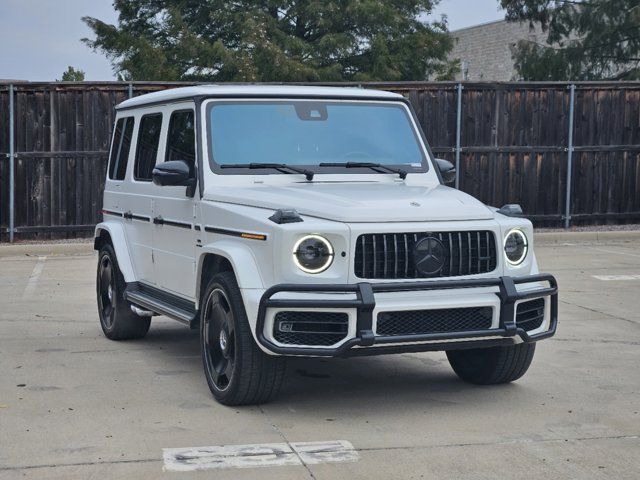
[313, 270]
[525, 250]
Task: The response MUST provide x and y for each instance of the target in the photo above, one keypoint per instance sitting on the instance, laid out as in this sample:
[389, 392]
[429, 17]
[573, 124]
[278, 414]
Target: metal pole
[11, 167]
[458, 124]
[567, 205]
[130, 90]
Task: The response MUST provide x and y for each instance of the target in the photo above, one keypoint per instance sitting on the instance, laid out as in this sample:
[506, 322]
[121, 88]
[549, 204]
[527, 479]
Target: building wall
[485, 50]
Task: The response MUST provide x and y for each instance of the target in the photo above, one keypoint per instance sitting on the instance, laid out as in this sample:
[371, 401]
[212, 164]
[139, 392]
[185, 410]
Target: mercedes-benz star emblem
[429, 255]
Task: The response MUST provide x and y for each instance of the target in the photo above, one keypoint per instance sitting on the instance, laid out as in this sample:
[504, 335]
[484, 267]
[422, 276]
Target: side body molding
[241, 258]
[118, 239]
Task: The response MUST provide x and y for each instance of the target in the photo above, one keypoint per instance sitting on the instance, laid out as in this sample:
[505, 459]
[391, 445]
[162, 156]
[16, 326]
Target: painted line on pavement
[615, 252]
[257, 455]
[616, 277]
[32, 283]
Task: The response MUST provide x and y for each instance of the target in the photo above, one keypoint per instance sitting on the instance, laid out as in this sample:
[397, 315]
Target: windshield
[309, 133]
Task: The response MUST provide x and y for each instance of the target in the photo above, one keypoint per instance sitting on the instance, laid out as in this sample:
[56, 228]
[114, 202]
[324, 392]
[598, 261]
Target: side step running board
[163, 303]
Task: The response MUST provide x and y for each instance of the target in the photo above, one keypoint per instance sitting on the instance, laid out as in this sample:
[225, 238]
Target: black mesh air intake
[530, 315]
[310, 328]
[414, 322]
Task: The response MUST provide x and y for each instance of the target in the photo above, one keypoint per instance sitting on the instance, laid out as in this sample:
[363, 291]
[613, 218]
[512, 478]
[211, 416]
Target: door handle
[128, 215]
[158, 220]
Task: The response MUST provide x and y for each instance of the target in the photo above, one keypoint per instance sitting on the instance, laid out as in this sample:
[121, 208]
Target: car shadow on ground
[410, 378]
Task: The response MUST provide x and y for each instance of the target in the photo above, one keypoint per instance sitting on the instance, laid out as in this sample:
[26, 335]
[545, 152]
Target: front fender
[241, 258]
[118, 240]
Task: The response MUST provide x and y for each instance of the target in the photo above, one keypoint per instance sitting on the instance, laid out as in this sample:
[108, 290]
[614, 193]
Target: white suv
[308, 221]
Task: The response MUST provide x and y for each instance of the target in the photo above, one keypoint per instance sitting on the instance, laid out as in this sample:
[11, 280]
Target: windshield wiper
[281, 167]
[373, 166]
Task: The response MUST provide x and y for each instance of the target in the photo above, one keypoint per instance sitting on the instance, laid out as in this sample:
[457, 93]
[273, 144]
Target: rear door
[174, 211]
[138, 203]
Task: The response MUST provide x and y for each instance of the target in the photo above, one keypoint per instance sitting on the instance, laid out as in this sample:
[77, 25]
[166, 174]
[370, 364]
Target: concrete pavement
[76, 405]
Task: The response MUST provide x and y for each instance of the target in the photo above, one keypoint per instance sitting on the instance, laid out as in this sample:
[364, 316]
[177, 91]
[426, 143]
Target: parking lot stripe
[257, 455]
[616, 277]
[615, 252]
[312, 453]
[32, 283]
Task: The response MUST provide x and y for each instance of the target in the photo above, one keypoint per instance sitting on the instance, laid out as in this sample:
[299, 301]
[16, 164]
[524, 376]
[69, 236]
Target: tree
[273, 40]
[586, 40]
[72, 75]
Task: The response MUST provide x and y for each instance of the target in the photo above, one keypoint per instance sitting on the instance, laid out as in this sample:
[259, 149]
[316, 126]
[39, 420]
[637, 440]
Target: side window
[147, 149]
[181, 137]
[120, 148]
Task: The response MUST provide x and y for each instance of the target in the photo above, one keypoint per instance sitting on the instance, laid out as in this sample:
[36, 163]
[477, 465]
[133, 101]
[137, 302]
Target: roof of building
[175, 94]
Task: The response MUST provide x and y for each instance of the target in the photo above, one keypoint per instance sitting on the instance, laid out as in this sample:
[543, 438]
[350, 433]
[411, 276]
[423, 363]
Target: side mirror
[447, 170]
[175, 173]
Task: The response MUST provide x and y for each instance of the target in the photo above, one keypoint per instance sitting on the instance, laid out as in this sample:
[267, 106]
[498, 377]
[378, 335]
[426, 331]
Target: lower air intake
[416, 322]
[310, 328]
[530, 315]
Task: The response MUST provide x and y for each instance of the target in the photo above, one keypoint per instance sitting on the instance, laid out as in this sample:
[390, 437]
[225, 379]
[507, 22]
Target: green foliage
[273, 40]
[586, 40]
[72, 75]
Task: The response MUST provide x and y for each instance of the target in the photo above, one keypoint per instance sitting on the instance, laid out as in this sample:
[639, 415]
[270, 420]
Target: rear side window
[120, 148]
[147, 149]
[181, 137]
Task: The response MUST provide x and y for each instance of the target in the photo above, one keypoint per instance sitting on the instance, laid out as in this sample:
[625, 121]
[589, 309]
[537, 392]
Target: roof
[174, 94]
[479, 25]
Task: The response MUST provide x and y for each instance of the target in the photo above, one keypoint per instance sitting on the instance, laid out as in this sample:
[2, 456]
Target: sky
[40, 39]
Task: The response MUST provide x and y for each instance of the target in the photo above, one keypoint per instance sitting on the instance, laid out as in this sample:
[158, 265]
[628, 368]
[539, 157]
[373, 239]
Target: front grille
[415, 322]
[530, 315]
[390, 255]
[310, 328]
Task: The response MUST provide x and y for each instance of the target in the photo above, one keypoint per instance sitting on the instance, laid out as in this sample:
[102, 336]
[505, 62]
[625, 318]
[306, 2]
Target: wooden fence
[513, 148]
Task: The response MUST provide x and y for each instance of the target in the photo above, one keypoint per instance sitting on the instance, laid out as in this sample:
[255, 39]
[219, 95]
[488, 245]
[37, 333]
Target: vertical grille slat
[479, 252]
[450, 255]
[375, 258]
[395, 256]
[385, 256]
[469, 253]
[406, 255]
[460, 253]
[390, 255]
[488, 255]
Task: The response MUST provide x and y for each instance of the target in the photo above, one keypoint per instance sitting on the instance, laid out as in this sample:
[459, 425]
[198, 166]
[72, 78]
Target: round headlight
[515, 246]
[313, 254]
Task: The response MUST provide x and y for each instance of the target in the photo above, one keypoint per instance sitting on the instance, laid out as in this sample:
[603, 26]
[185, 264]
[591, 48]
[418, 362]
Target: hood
[359, 202]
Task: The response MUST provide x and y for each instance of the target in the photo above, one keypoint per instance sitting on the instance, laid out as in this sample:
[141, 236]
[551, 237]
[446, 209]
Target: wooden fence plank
[514, 139]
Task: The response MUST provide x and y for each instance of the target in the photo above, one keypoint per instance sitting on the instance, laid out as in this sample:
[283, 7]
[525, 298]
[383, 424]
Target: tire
[117, 320]
[489, 366]
[237, 371]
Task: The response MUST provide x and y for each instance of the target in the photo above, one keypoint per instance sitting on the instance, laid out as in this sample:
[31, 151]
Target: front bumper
[366, 342]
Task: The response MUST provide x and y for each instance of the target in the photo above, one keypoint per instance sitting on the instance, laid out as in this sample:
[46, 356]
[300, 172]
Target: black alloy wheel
[238, 372]
[106, 289]
[117, 320]
[219, 339]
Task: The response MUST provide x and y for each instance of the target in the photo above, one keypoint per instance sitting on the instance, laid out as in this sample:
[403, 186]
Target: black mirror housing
[447, 171]
[176, 173]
